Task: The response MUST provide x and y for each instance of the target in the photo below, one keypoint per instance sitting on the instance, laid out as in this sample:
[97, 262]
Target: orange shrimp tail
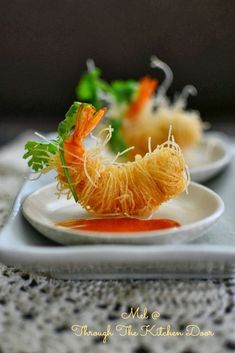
[146, 90]
[87, 119]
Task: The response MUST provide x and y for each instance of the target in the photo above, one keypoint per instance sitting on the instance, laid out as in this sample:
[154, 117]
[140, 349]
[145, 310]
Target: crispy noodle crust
[105, 187]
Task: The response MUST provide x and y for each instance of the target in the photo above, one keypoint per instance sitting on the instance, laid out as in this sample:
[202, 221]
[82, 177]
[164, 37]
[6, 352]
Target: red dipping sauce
[118, 224]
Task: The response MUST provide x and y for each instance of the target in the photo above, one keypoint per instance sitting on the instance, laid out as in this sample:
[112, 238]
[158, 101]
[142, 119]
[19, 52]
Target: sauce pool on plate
[118, 224]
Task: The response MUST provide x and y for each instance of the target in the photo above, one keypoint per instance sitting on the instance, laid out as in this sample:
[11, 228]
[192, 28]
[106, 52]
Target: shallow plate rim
[134, 235]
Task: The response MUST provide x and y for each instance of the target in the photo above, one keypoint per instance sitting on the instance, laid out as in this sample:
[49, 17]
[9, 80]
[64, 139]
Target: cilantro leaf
[88, 87]
[39, 154]
[91, 84]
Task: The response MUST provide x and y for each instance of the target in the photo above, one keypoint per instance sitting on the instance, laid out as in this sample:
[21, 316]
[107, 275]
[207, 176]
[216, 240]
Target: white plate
[195, 211]
[208, 158]
[212, 255]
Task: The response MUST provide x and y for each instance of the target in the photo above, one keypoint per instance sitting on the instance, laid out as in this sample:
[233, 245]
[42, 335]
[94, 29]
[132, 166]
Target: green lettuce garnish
[122, 92]
[68, 123]
[117, 141]
[91, 84]
[88, 87]
[38, 153]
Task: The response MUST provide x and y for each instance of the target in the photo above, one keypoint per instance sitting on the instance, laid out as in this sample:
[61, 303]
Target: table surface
[36, 313]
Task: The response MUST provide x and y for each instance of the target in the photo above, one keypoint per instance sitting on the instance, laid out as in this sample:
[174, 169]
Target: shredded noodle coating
[186, 126]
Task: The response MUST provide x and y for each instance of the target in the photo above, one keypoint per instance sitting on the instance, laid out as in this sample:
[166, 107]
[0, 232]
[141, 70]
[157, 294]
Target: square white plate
[213, 255]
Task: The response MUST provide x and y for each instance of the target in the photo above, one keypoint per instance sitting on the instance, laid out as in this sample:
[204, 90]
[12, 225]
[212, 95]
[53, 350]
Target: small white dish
[195, 211]
[210, 256]
[209, 157]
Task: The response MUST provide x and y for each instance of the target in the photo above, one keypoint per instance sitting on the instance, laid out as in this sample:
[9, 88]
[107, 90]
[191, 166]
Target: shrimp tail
[146, 90]
[86, 120]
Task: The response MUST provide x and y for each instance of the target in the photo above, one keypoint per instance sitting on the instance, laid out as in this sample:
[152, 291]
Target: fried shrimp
[138, 111]
[186, 126]
[109, 188]
[155, 114]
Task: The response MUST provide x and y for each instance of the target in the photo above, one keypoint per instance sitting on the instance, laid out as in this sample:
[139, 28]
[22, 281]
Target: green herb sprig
[122, 92]
[38, 153]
